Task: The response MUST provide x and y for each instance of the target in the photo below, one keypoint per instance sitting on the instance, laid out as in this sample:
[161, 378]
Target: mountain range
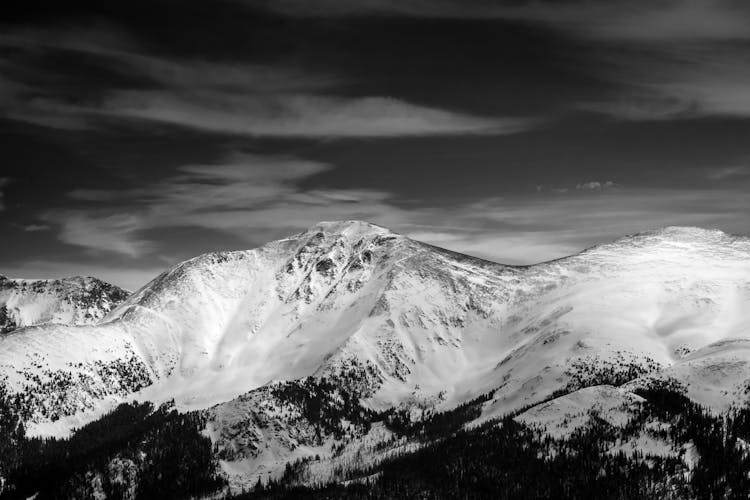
[312, 350]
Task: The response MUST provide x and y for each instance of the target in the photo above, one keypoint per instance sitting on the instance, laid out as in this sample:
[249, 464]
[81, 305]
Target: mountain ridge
[74, 300]
[395, 325]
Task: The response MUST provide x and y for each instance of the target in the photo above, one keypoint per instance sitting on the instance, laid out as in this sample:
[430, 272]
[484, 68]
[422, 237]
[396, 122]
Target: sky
[138, 134]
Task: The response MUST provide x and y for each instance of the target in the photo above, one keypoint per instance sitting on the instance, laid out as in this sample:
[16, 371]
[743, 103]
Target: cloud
[115, 232]
[674, 82]
[676, 20]
[728, 172]
[644, 105]
[642, 21]
[32, 228]
[596, 186]
[257, 100]
[581, 186]
[241, 181]
[634, 20]
[300, 115]
[618, 211]
[712, 85]
[668, 59]
[662, 59]
[253, 197]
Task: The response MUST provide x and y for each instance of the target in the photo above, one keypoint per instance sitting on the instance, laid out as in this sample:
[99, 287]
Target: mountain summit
[395, 325]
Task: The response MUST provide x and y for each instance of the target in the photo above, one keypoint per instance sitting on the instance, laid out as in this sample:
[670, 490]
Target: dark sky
[137, 134]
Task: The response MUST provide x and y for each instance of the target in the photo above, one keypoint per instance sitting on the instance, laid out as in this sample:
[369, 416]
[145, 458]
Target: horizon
[319, 223]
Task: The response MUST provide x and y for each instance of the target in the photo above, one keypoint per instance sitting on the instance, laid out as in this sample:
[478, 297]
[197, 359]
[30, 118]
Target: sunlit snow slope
[418, 324]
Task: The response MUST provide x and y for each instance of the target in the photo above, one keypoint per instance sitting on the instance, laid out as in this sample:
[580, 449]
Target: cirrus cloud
[237, 98]
[252, 197]
[300, 115]
[634, 20]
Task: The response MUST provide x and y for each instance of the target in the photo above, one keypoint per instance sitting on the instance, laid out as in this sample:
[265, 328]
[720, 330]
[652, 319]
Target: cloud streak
[638, 20]
[677, 82]
[658, 21]
[596, 186]
[669, 59]
[249, 196]
[729, 172]
[248, 99]
[301, 115]
[103, 232]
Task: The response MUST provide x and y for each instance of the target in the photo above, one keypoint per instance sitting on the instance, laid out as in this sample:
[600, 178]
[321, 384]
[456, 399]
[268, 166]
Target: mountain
[323, 343]
[71, 301]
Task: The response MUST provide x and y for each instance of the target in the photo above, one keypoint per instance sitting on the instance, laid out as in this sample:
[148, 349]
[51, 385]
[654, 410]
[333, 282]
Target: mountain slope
[72, 301]
[366, 320]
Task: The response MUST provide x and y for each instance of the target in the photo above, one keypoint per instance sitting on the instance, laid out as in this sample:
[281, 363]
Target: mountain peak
[348, 228]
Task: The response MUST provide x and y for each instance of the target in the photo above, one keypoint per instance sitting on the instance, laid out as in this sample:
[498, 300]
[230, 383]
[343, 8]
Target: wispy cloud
[252, 197]
[643, 104]
[658, 21]
[676, 81]
[642, 20]
[230, 98]
[596, 186]
[712, 84]
[674, 20]
[300, 115]
[241, 181]
[729, 172]
[101, 232]
[33, 228]
[671, 59]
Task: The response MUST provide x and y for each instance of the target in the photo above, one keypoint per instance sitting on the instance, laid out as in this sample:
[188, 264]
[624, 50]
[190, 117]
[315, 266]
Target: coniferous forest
[513, 461]
[138, 451]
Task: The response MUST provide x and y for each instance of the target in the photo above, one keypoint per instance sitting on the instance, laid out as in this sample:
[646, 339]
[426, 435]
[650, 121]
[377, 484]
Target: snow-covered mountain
[71, 301]
[363, 320]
